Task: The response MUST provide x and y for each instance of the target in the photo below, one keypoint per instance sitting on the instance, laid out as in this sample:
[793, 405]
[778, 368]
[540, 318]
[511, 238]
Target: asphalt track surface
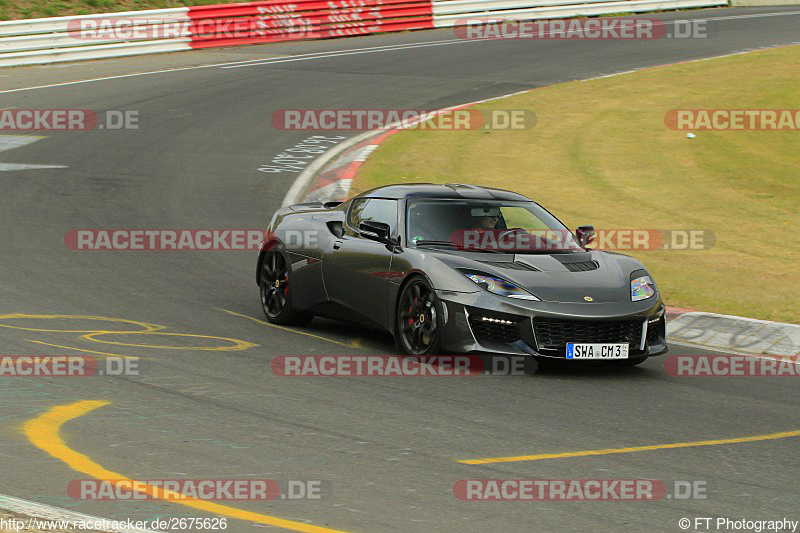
[388, 447]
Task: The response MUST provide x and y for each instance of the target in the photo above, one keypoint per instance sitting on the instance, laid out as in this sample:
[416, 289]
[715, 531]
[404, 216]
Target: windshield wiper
[423, 242]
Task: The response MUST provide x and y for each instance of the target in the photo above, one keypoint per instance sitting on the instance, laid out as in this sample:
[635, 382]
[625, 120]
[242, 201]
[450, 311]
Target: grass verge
[601, 153]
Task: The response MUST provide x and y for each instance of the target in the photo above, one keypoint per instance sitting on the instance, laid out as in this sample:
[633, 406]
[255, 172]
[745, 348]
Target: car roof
[447, 190]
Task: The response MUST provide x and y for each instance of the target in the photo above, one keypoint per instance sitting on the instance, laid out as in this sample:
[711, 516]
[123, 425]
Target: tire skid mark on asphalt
[44, 432]
[355, 343]
[152, 330]
[610, 451]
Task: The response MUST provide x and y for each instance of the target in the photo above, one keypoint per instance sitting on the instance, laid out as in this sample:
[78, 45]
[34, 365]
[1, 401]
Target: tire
[418, 325]
[274, 285]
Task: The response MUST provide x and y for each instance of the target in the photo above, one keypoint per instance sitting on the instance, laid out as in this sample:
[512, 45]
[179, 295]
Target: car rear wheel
[417, 319]
[275, 288]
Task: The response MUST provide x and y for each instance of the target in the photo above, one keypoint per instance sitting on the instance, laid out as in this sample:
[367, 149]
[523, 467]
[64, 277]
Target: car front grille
[490, 329]
[555, 334]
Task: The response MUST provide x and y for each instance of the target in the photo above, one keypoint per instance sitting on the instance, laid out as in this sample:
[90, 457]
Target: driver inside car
[485, 218]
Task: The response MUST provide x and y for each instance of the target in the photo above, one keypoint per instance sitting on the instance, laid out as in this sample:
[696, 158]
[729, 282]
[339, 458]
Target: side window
[374, 209]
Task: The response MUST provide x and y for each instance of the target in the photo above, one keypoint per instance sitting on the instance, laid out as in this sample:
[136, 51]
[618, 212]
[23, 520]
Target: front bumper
[480, 322]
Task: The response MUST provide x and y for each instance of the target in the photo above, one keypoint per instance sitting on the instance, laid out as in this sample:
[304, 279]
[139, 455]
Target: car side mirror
[585, 235]
[376, 231]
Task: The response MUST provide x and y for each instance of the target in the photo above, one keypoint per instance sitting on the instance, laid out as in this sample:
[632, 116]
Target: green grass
[600, 153]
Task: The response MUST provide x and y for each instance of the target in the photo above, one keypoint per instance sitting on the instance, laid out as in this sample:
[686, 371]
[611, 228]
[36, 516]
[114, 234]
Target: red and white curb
[735, 334]
[334, 181]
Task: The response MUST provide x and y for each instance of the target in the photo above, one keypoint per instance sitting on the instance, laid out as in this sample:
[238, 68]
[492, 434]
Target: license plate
[596, 351]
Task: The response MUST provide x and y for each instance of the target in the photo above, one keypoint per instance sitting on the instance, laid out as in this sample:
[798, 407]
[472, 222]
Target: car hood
[582, 277]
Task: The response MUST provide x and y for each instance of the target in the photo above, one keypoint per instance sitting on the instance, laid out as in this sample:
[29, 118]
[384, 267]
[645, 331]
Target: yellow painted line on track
[147, 328]
[609, 451]
[106, 354]
[44, 432]
[352, 344]
[236, 344]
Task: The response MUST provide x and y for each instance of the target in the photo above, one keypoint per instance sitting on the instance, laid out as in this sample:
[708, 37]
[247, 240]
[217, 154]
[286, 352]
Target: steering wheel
[508, 231]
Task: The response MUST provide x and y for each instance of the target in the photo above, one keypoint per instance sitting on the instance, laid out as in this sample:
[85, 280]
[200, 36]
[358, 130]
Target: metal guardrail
[449, 13]
[59, 24]
[50, 40]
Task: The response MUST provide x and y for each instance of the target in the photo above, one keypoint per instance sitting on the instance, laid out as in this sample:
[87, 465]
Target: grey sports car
[460, 268]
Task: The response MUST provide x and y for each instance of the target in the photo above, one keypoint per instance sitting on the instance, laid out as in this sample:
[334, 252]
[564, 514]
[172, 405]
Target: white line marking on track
[9, 142]
[196, 67]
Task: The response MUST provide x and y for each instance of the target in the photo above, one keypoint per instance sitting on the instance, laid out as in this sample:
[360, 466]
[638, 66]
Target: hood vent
[510, 265]
[582, 266]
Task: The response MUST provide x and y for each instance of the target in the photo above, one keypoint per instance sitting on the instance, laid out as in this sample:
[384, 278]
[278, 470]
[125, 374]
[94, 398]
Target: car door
[356, 270]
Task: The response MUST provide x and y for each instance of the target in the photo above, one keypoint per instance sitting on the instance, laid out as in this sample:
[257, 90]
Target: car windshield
[487, 225]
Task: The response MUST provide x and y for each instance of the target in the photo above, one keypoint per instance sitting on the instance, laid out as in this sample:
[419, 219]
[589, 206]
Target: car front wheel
[417, 329]
[274, 284]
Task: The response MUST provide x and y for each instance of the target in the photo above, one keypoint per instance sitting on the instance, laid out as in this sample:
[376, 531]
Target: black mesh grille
[653, 331]
[510, 265]
[486, 330]
[555, 334]
[582, 266]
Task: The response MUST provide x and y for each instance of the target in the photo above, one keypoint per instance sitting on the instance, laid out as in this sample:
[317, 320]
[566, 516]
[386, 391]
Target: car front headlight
[642, 286]
[499, 286]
